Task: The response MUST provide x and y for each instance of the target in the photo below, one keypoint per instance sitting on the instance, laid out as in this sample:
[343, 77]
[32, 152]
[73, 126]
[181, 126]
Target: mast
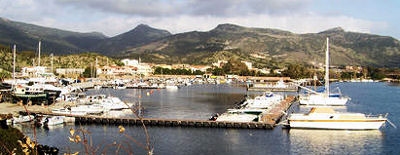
[14, 55]
[52, 55]
[327, 67]
[95, 69]
[39, 53]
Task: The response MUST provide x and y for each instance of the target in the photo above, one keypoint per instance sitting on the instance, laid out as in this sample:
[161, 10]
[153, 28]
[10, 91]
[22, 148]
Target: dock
[276, 113]
[268, 120]
[171, 122]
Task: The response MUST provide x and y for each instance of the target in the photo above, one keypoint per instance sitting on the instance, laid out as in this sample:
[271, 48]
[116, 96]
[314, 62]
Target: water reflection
[191, 102]
[335, 141]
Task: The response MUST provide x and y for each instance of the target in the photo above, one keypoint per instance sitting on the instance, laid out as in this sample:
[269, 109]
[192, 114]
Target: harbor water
[201, 101]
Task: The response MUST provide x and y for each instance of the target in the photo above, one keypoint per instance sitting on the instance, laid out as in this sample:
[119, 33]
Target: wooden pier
[276, 113]
[268, 120]
[171, 122]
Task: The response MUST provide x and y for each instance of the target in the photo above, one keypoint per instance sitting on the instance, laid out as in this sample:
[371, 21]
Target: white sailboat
[324, 117]
[325, 98]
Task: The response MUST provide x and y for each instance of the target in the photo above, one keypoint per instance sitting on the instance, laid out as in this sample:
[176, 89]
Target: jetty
[268, 120]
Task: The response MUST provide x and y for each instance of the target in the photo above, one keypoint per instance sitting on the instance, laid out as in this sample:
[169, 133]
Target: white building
[34, 71]
[248, 64]
[117, 70]
[220, 63]
[144, 69]
[68, 71]
[129, 62]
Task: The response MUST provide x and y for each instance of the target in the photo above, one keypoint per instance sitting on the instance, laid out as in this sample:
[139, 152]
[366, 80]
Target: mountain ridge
[262, 46]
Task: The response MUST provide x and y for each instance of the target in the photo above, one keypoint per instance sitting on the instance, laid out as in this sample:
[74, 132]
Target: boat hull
[374, 124]
[53, 120]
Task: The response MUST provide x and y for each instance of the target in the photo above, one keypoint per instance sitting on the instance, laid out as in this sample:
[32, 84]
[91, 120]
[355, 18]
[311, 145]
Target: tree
[218, 71]
[234, 66]
[4, 74]
[296, 71]
[89, 72]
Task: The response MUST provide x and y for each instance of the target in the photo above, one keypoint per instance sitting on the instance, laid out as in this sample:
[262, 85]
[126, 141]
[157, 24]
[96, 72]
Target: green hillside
[269, 46]
[261, 46]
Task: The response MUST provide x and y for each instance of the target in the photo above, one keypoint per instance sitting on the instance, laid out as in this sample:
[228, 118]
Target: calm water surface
[201, 101]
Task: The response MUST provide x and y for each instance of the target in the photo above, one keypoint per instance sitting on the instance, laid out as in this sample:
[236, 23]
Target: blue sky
[118, 16]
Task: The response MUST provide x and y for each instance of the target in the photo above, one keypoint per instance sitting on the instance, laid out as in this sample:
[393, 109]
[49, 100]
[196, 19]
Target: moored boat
[80, 110]
[327, 118]
[22, 119]
[325, 98]
[240, 115]
[52, 120]
[264, 101]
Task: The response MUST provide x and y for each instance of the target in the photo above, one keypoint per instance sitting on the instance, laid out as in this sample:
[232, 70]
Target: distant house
[202, 68]
[219, 63]
[130, 62]
[70, 71]
[117, 70]
[34, 71]
[248, 64]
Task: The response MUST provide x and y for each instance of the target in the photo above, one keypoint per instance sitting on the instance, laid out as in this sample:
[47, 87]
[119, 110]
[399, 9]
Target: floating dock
[268, 120]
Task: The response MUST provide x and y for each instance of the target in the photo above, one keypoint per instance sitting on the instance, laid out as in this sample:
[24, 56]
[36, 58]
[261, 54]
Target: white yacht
[107, 102]
[263, 101]
[52, 120]
[80, 110]
[240, 115]
[113, 103]
[327, 118]
[22, 119]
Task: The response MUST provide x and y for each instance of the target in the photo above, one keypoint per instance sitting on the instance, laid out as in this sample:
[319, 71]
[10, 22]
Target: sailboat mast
[327, 67]
[52, 55]
[39, 53]
[14, 55]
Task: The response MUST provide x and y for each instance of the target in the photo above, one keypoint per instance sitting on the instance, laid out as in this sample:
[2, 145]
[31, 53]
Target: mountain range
[262, 46]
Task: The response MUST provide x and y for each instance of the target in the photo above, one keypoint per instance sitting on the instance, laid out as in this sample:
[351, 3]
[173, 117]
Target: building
[70, 71]
[248, 64]
[129, 62]
[34, 71]
[117, 70]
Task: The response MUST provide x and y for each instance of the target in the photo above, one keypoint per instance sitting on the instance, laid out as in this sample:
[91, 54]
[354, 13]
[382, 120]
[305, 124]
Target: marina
[267, 120]
[171, 138]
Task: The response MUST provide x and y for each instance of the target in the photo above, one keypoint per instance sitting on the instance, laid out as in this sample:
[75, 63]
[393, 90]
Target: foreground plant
[82, 136]
[28, 146]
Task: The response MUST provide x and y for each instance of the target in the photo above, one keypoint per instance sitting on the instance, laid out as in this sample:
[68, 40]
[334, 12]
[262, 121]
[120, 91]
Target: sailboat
[325, 117]
[325, 98]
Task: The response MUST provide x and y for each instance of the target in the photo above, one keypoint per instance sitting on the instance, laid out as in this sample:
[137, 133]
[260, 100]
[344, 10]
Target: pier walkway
[268, 120]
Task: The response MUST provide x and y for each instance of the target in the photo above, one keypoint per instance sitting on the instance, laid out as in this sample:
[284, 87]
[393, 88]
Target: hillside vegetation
[266, 47]
[261, 46]
[30, 58]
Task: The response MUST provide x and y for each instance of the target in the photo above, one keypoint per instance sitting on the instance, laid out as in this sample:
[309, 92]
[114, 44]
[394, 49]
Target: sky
[113, 17]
